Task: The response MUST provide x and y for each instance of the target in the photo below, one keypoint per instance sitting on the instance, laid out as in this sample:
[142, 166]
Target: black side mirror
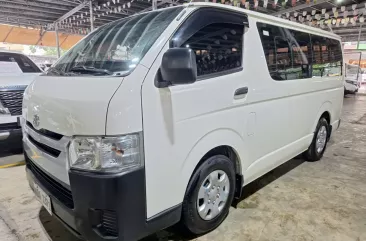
[178, 67]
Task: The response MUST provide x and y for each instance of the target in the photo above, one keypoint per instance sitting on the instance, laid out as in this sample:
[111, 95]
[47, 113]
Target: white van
[164, 116]
[16, 72]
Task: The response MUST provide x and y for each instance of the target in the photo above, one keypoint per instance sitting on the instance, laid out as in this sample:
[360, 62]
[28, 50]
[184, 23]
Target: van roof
[266, 17]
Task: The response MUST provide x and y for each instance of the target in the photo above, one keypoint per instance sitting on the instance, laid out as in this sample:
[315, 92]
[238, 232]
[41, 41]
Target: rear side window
[292, 54]
[25, 64]
[286, 51]
[327, 57]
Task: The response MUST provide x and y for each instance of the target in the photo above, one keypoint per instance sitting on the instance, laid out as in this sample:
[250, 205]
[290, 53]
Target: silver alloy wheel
[321, 139]
[213, 195]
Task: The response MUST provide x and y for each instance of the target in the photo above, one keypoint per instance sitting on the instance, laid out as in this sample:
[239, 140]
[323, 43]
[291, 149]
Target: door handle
[241, 91]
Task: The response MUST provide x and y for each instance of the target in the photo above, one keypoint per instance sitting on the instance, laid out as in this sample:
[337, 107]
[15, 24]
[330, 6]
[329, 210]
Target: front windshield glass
[115, 48]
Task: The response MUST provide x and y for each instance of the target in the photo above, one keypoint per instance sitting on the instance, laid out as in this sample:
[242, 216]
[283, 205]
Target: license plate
[43, 198]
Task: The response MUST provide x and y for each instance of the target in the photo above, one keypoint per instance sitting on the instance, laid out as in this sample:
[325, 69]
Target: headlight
[106, 154]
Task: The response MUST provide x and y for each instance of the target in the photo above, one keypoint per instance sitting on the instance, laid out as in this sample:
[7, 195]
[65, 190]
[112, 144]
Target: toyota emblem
[36, 121]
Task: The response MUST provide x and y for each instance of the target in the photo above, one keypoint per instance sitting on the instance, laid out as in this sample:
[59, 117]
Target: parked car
[17, 71]
[45, 66]
[164, 116]
[352, 79]
[363, 77]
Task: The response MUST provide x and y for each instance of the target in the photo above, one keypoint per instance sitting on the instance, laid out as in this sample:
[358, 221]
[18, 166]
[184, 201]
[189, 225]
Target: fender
[326, 107]
[215, 138]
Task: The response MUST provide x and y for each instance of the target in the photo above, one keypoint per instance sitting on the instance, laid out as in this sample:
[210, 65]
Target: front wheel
[319, 143]
[209, 195]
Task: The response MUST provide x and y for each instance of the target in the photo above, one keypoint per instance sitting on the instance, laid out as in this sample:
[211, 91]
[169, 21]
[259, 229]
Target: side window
[216, 37]
[281, 66]
[301, 54]
[218, 47]
[320, 58]
[7, 58]
[287, 52]
[25, 64]
[335, 58]
[327, 57]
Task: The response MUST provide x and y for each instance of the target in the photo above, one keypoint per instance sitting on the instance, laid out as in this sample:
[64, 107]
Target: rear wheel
[319, 143]
[209, 195]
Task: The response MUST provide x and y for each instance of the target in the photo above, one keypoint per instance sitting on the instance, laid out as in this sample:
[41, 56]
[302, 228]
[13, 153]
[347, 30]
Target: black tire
[191, 221]
[312, 154]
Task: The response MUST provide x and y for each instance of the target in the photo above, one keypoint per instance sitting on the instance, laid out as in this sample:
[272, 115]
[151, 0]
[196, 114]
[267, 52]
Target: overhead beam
[24, 18]
[350, 34]
[72, 11]
[39, 5]
[347, 30]
[351, 38]
[70, 1]
[157, 5]
[30, 11]
[299, 7]
[26, 14]
[360, 6]
[16, 21]
[58, 2]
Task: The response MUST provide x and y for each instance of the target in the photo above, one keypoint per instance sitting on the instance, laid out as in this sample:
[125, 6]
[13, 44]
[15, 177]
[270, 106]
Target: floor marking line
[20, 163]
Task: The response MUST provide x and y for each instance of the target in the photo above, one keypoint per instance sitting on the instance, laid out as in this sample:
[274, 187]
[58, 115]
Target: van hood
[8, 80]
[70, 105]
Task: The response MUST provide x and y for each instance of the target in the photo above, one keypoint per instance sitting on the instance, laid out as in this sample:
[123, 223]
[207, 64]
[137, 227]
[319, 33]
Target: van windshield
[115, 48]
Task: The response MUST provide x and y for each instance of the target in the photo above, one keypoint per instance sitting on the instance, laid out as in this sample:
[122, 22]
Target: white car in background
[352, 78]
[17, 71]
[363, 76]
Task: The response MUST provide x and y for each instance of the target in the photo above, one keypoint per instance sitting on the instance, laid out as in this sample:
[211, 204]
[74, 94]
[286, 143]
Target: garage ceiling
[43, 13]
[74, 15]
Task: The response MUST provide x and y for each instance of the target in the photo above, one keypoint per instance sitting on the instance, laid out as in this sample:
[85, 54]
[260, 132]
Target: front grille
[47, 149]
[12, 99]
[109, 223]
[9, 126]
[45, 132]
[56, 189]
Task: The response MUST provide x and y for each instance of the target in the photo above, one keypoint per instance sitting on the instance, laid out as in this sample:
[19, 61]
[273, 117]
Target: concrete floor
[297, 201]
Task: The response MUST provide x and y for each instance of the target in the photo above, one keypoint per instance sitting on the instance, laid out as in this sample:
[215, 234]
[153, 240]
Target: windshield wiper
[55, 71]
[91, 70]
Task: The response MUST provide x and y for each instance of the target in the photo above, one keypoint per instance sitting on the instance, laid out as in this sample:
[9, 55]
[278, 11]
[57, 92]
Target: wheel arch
[219, 142]
[324, 111]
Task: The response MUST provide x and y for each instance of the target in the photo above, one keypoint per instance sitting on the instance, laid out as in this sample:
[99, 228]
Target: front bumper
[350, 88]
[10, 132]
[104, 207]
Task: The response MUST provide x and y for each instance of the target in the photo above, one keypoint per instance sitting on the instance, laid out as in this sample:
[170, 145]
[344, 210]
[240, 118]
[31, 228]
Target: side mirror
[178, 67]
